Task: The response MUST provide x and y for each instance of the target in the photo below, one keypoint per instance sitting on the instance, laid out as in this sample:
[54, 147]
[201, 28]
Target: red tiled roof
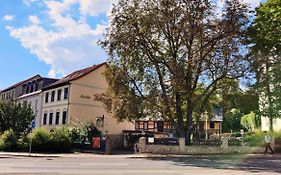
[22, 82]
[73, 76]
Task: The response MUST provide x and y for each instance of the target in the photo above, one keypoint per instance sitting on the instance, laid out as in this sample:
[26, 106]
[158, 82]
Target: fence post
[224, 141]
[182, 144]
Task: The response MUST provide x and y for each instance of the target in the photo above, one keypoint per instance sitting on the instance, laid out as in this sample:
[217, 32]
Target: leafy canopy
[15, 116]
[161, 51]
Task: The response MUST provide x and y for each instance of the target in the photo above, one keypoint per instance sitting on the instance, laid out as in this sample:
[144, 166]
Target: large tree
[265, 37]
[15, 116]
[162, 50]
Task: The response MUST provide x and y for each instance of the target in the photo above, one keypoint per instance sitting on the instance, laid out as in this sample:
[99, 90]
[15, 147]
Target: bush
[41, 140]
[254, 139]
[61, 140]
[276, 134]
[8, 141]
[23, 142]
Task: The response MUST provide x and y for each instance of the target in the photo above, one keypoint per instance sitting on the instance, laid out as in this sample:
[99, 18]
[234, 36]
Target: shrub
[276, 134]
[40, 140]
[23, 142]
[61, 140]
[8, 140]
[91, 131]
[254, 139]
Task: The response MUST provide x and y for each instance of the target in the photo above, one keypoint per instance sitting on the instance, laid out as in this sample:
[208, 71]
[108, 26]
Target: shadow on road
[249, 163]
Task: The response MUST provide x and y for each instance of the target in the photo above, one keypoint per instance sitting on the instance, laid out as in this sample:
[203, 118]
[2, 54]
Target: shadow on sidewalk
[242, 162]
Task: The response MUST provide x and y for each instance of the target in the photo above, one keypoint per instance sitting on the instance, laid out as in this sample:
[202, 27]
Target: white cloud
[34, 19]
[29, 2]
[8, 17]
[73, 43]
[253, 3]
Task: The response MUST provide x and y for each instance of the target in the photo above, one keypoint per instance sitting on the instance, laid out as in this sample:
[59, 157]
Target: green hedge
[8, 141]
[62, 139]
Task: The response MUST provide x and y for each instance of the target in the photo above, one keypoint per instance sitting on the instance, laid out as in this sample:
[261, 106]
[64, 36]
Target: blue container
[102, 145]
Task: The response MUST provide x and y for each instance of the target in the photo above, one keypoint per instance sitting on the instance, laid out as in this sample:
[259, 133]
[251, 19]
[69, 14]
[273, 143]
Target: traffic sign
[33, 124]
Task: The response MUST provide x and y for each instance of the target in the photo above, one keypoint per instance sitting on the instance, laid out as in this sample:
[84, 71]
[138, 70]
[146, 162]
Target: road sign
[33, 124]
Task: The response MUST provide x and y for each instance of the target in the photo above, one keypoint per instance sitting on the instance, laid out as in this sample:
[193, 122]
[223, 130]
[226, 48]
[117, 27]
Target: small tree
[15, 116]
[249, 121]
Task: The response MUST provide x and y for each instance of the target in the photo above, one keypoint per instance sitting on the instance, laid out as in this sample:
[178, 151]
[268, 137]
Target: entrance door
[160, 126]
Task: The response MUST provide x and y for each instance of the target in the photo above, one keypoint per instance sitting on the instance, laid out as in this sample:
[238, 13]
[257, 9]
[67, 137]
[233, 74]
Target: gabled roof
[73, 76]
[22, 82]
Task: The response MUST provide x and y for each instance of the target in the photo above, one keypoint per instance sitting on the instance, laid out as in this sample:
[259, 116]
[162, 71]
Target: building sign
[85, 96]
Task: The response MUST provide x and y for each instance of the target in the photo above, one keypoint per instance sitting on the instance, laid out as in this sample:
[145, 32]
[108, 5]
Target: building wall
[35, 101]
[7, 95]
[83, 107]
[265, 124]
[54, 106]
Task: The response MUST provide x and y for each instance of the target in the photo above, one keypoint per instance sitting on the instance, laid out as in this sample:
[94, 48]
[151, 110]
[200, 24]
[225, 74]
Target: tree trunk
[188, 125]
[179, 114]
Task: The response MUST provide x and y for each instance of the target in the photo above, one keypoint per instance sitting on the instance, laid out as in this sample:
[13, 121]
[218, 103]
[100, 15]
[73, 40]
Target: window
[64, 117]
[53, 96]
[65, 93]
[145, 126]
[47, 97]
[36, 86]
[59, 95]
[51, 119]
[57, 118]
[36, 105]
[31, 88]
[45, 119]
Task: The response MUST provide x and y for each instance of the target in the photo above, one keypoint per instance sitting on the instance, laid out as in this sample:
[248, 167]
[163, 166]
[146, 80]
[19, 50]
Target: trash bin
[102, 145]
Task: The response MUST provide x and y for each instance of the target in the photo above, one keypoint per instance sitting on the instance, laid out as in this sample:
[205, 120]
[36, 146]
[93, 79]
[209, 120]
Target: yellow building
[71, 101]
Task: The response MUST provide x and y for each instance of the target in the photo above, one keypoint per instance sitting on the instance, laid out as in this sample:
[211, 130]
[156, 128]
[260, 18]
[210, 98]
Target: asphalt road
[130, 165]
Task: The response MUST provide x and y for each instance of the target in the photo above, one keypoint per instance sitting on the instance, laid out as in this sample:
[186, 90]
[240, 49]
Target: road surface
[137, 165]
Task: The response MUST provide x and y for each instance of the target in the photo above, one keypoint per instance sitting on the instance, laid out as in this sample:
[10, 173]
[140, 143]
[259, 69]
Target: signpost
[33, 125]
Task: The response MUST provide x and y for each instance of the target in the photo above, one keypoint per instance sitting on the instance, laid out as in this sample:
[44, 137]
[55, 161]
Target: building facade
[28, 91]
[71, 101]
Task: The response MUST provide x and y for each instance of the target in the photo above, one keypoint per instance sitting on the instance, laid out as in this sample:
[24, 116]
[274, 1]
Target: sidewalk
[93, 155]
[72, 155]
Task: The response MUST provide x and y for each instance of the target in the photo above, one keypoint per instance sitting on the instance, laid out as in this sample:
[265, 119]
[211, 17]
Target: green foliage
[8, 140]
[15, 116]
[231, 121]
[249, 121]
[254, 139]
[264, 36]
[23, 142]
[91, 130]
[40, 139]
[60, 140]
[276, 134]
[157, 64]
[265, 30]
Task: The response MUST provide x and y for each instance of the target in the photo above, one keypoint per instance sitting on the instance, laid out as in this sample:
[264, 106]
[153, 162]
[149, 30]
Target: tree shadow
[240, 162]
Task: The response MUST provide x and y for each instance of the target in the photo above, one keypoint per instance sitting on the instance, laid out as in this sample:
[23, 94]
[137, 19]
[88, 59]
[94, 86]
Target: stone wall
[182, 149]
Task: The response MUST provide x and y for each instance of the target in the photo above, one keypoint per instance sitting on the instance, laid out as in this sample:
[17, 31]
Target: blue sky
[52, 37]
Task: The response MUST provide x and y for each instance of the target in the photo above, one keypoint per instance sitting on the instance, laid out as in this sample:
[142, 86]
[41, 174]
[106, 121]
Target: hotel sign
[85, 96]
